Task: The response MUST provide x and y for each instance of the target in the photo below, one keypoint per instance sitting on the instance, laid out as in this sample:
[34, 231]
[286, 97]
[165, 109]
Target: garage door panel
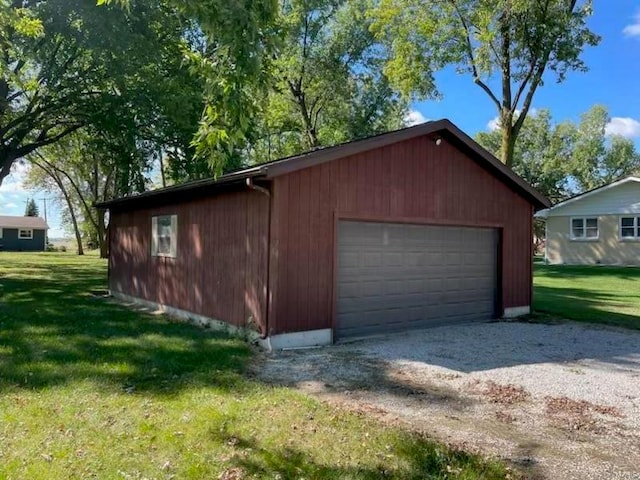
[397, 276]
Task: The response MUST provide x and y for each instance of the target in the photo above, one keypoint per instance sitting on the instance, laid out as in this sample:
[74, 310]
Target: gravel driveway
[558, 401]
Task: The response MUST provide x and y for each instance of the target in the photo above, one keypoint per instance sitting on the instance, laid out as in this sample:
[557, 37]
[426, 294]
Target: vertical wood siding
[413, 180]
[221, 266]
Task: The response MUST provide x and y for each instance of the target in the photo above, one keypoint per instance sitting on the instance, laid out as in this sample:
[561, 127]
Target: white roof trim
[545, 213]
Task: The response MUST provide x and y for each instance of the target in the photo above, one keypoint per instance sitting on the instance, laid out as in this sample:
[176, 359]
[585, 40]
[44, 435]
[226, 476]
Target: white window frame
[21, 237]
[0, 233]
[173, 248]
[584, 229]
[636, 227]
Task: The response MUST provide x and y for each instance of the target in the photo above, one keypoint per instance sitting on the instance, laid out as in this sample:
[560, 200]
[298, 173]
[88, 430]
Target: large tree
[67, 64]
[327, 84]
[542, 154]
[598, 158]
[86, 168]
[505, 46]
[567, 158]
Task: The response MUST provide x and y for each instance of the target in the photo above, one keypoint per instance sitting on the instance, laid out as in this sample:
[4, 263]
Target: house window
[164, 236]
[25, 234]
[630, 228]
[584, 228]
[0, 233]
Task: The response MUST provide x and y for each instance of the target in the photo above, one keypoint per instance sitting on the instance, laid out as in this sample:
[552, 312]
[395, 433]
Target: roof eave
[595, 191]
[225, 180]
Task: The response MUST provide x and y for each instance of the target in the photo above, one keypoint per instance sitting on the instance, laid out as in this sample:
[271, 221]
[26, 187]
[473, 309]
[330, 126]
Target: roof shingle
[35, 223]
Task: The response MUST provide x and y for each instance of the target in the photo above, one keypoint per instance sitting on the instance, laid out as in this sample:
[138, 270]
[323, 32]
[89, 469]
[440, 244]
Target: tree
[517, 41]
[32, 209]
[67, 64]
[564, 159]
[327, 84]
[542, 154]
[86, 168]
[598, 159]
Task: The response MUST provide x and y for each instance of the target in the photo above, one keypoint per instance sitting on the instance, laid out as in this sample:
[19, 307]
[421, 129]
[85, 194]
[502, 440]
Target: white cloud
[414, 117]
[14, 183]
[623, 126]
[633, 29]
[10, 206]
[494, 123]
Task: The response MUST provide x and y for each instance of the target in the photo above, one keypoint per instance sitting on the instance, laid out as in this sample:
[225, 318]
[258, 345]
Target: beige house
[599, 227]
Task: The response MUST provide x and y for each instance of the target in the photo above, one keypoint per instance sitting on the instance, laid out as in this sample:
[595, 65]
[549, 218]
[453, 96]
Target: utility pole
[46, 233]
[44, 200]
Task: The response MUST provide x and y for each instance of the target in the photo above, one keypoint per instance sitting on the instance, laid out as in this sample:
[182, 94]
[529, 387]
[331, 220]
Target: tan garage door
[395, 277]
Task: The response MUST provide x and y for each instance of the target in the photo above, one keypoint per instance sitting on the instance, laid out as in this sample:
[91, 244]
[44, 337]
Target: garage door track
[558, 401]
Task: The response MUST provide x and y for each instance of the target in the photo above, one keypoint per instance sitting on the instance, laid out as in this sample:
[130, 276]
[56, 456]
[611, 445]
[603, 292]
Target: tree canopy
[67, 64]
[563, 159]
[504, 46]
[31, 209]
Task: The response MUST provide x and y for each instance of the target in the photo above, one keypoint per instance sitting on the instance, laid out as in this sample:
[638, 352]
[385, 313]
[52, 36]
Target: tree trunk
[76, 229]
[162, 174]
[102, 237]
[6, 161]
[507, 146]
[67, 198]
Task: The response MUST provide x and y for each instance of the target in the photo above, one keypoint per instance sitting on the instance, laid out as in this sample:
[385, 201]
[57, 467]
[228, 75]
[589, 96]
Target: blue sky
[613, 80]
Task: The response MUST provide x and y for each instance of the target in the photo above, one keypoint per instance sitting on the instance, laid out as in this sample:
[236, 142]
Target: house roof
[269, 170]
[35, 223]
[582, 196]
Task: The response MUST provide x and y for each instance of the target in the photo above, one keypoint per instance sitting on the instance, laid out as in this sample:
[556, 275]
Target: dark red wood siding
[221, 266]
[410, 181]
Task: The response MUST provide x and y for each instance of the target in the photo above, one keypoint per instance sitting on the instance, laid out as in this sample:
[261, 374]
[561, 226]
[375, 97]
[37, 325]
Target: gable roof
[577, 198]
[282, 166]
[35, 223]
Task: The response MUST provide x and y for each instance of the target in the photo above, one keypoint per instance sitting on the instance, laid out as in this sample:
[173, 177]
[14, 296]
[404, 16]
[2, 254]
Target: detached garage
[409, 229]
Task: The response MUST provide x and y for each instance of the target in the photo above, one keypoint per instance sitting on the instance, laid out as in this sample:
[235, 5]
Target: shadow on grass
[585, 305]
[53, 332]
[587, 271]
[419, 459]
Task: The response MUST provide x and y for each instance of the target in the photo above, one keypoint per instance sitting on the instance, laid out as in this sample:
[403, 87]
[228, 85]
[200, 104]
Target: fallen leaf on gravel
[503, 394]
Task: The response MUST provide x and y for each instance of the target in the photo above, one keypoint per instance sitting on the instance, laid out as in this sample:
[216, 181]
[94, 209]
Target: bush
[63, 248]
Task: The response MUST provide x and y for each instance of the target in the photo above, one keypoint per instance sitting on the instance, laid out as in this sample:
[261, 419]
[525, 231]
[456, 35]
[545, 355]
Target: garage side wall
[411, 181]
[221, 266]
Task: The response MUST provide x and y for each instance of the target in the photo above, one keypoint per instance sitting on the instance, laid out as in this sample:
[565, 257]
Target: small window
[630, 228]
[164, 236]
[0, 233]
[584, 228]
[25, 234]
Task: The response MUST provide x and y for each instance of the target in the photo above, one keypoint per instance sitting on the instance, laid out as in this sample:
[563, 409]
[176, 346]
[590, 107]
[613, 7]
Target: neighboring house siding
[11, 243]
[620, 199]
[221, 263]
[410, 181]
[608, 249]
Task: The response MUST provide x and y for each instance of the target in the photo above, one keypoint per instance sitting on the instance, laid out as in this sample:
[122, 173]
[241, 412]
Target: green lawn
[89, 389]
[608, 295]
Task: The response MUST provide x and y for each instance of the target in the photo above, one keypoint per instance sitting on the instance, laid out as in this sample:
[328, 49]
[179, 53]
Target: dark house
[22, 234]
[409, 229]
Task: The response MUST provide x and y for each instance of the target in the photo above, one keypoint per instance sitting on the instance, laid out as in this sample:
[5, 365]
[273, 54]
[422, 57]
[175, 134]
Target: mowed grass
[597, 294]
[90, 389]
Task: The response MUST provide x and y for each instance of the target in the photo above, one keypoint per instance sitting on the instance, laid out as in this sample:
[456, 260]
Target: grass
[596, 294]
[89, 389]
